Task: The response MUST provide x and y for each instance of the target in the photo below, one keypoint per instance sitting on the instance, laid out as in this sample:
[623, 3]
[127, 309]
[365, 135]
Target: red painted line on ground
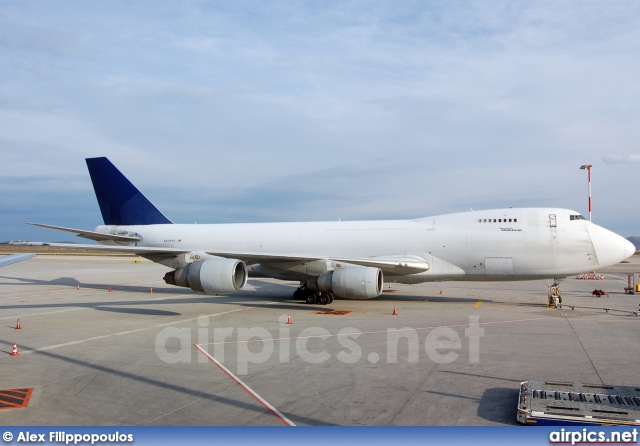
[247, 389]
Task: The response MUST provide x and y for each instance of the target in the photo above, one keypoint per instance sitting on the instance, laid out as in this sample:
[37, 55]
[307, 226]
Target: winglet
[121, 203]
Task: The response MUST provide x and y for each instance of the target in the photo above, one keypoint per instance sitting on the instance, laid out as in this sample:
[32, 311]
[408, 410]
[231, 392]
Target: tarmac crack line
[327, 336]
[41, 314]
[60, 380]
[175, 410]
[123, 333]
[585, 351]
[413, 394]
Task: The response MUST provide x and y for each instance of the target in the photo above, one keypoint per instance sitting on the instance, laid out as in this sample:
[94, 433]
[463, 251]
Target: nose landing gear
[555, 296]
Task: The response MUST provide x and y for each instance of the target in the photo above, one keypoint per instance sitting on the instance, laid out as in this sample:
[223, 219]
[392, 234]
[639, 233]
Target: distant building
[23, 243]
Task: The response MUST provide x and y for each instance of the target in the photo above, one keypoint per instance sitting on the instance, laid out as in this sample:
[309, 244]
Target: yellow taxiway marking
[477, 304]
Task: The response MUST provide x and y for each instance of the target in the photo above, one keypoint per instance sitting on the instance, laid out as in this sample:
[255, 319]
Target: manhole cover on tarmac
[15, 398]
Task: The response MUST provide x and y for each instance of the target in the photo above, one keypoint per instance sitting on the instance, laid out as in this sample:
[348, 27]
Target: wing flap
[394, 265]
[264, 258]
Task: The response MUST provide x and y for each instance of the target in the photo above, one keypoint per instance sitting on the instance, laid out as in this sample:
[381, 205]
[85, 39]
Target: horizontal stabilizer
[123, 249]
[91, 235]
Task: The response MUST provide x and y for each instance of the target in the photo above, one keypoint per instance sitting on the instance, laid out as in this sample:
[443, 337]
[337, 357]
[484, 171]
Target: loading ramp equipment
[556, 403]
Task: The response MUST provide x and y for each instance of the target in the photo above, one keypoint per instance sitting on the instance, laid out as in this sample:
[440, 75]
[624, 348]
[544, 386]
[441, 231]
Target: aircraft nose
[610, 248]
[630, 249]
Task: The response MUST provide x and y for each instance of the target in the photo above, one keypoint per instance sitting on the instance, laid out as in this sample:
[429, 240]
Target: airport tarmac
[131, 357]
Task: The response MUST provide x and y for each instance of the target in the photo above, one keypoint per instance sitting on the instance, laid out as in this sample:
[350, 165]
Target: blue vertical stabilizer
[121, 203]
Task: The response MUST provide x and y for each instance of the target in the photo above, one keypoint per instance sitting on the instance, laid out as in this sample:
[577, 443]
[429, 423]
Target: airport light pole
[588, 168]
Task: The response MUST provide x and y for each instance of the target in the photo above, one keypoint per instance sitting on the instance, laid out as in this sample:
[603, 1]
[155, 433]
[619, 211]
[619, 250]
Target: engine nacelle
[358, 282]
[213, 276]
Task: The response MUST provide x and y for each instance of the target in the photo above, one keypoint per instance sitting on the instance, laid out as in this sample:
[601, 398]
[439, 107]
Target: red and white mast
[588, 168]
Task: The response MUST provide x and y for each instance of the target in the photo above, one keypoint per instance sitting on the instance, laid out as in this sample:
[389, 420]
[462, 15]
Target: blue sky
[300, 111]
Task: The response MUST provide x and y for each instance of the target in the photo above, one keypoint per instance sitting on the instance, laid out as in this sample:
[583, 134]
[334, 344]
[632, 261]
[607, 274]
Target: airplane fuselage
[347, 259]
[488, 245]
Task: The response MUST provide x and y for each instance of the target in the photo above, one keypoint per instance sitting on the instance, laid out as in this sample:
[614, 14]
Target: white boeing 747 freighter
[349, 259]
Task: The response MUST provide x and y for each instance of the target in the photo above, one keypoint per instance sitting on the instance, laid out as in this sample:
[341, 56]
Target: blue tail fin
[121, 203]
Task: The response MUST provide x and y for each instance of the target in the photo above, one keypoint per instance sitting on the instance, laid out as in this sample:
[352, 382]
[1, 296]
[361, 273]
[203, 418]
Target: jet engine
[212, 276]
[352, 283]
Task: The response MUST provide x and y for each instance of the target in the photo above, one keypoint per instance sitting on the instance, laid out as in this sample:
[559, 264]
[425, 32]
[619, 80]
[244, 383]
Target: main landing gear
[312, 297]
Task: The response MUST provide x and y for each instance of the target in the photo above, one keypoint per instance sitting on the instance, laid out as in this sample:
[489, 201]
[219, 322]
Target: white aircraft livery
[348, 259]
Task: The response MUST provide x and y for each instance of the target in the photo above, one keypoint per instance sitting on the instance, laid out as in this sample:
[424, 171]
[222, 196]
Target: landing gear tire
[325, 298]
[310, 298]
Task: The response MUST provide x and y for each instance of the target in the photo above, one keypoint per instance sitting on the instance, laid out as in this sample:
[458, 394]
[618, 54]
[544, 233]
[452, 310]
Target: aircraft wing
[14, 258]
[91, 235]
[394, 265]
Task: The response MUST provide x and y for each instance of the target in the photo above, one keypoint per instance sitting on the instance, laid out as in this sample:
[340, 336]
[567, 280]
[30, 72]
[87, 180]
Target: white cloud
[622, 159]
[419, 107]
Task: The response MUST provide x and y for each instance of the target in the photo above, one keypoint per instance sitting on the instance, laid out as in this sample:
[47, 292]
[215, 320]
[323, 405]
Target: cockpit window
[576, 217]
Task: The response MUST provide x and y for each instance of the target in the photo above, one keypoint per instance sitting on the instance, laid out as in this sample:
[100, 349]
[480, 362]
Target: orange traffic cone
[395, 312]
[77, 286]
[150, 290]
[15, 350]
[18, 327]
[289, 319]
[440, 290]
[110, 289]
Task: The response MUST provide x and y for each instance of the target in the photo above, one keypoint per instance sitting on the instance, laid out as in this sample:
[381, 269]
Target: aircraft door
[498, 267]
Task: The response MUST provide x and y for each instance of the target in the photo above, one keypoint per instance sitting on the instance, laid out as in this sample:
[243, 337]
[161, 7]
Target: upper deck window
[576, 217]
[501, 220]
